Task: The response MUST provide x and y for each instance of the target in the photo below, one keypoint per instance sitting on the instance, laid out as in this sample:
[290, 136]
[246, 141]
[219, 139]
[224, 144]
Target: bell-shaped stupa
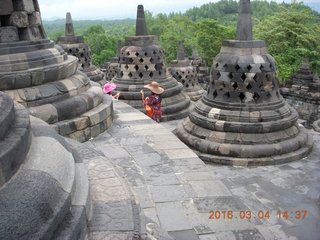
[112, 67]
[243, 119]
[41, 76]
[302, 91]
[182, 70]
[142, 61]
[75, 46]
[203, 71]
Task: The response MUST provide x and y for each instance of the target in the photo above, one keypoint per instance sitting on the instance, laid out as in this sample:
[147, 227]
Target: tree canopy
[291, 35]
[292, 32]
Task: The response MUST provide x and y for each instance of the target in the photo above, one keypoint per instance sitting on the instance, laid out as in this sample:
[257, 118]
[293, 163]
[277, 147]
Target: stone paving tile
[149, 159]
[170, 193]
[172, 216]
[181, 153]
[112, 216]
[177, 190]
[185, 235]
[110, 235]
[151, 215]
[113, 151]
[144, 197]
[209, 188]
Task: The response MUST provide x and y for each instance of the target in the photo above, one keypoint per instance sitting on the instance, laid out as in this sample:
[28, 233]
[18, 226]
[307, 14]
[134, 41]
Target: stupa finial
[244, 27]
[119, 48]
[141, 26]
[181, 51]
[69, 26]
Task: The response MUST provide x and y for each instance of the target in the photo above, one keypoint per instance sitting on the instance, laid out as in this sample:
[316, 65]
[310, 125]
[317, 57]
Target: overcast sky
[115, 9]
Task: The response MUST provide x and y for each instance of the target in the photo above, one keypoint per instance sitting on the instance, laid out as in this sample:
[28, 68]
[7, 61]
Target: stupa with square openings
[243, 119]
[142, 61]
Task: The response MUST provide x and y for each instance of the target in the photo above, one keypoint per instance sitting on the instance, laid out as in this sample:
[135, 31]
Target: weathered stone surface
[31, 33]
[34, 18]
[8, 34]
[38, 201]
[6, 7]
[24, 5]
[19, 19]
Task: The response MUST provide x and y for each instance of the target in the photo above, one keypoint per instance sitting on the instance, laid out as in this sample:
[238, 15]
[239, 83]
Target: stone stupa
[243, 119]
[203, 71]
[112, 67]
[41, 172]
[41, 76]
[75, 46]
[142, 61]
[302, 91]
[182, 70]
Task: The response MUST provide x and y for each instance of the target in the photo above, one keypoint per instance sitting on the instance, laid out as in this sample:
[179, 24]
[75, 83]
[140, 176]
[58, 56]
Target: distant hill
[56, 27]
[225, 11]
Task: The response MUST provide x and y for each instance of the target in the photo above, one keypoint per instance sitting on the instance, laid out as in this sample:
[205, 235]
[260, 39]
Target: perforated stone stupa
[302, 91]
[243, 119]
[203, 71]
[112, 67]
[142, 61]
[39, 174]
[185, 73]
[75, 46]
[43, 78]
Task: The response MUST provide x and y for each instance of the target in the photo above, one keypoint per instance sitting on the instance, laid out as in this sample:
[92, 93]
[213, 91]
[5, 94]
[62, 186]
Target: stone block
[19, 19]
[9, 34]
[24, 5]
[7, 82]
[31, 33]
[34, 18]
[6, 7]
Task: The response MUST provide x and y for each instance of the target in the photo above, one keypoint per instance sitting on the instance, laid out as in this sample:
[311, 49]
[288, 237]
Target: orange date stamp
[223, 214]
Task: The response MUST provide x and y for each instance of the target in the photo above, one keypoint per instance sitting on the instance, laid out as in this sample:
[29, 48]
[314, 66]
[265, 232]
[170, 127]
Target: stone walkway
[176, 190]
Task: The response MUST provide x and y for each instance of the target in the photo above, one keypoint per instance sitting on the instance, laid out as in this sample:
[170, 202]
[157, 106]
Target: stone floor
[177, 191]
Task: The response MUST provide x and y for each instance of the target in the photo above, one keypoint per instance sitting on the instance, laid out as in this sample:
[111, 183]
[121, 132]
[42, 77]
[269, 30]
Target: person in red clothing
[153, 103]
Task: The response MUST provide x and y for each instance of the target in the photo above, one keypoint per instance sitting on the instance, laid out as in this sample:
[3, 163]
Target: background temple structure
[142, 61]
[75, 46]
[203, 71]
[44, 79]
[111, 68]
[243, 119]
[302, 91]
[182, 70]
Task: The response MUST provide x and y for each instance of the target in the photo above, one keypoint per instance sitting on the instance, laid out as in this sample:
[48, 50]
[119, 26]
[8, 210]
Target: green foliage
[209, 35]
[225, 11]
[178, 28]
[292, 31]
[102, 47]
[291, 34]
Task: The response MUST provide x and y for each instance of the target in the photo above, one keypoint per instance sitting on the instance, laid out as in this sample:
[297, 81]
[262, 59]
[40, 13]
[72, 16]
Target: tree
[178, 28]
[291, 35]
[102, 47]
[209, 36]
